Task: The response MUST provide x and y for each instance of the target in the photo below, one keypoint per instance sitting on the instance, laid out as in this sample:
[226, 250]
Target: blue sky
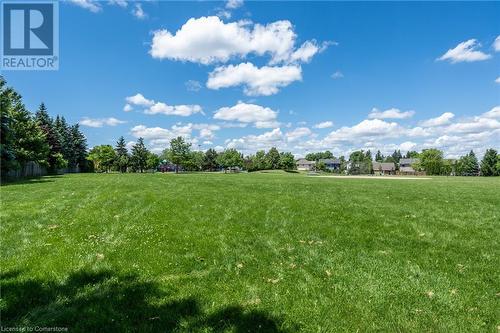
[301, 76]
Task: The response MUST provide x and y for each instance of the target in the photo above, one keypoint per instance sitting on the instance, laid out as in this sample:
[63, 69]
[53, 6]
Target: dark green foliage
[273, 158]
[122, 158]
[320, 155]
[22, 138]
[55, 158]
[287, 161]
[360, 163]
[411, 154]
[210, 160]
[467, 165]
[396, 156]
[379, 157]
[139, 156]
[489, 163]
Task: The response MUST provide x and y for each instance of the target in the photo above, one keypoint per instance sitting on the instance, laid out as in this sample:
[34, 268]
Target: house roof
[406, 169]
[330, 160]
[304, 161]
[410, 161]
[384, 166]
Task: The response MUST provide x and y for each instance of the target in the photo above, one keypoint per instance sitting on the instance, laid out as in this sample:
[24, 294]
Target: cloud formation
[324, 124]
[100, 122]
[151, 107]
[392, 113]
[247, 113]
[208, 40]
[465, 52]
[438, 121]
[263, 81]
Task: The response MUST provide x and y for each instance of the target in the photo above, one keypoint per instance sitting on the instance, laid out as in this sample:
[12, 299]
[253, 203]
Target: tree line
[180, 156]
[430, 161]
[26, 137]
[57, 145]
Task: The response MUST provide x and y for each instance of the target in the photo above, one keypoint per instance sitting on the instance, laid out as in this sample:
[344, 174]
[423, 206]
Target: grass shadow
[31, 180]
[103, 301]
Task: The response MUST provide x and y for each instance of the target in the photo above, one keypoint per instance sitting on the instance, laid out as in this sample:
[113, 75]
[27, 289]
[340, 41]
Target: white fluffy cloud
[233, 4]
[91, 5]
[298, 133]
[438, 121]
[120, 3]
[496, 44]
[173, 110]
[465, 51]
[246, 113]
[256, 81]
[497, 80]
[100, 122]
[392, 113]
[266, 140]
[324, 124]
[139, 100]
[152, 107]
[208, 40]
[138, 12]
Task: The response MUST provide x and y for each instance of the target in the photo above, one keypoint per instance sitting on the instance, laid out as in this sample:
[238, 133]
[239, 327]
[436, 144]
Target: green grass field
[270, 252]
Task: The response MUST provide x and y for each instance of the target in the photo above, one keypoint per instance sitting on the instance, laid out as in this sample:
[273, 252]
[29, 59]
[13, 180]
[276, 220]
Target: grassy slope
[276, 252]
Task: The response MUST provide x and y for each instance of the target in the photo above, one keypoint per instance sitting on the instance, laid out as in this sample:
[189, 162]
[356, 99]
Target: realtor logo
[30, 35]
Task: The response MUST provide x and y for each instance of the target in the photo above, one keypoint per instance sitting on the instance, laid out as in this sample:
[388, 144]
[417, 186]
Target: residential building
[305, 165]
[405, 166]
[382, 168]
[331, 164]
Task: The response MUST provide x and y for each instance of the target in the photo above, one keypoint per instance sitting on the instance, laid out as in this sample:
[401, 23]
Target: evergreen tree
[30, 143]
[472, 165]
[55, 159]
[63, 135]
[122, 158]
[139, 156]
[488, 164]
[396, 156]
[7, 136]
[379, 157]
[368, 155]
[79, 144]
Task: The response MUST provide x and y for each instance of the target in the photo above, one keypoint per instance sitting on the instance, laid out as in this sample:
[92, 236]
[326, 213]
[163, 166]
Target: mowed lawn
[271, 252]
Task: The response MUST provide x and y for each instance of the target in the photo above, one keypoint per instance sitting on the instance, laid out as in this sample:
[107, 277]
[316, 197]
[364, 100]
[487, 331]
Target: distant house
[331, 164]
[405, 166]
[305, 165]
[384, 168]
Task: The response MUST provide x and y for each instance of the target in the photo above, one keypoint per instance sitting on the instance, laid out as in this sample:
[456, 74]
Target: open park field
[272, 252]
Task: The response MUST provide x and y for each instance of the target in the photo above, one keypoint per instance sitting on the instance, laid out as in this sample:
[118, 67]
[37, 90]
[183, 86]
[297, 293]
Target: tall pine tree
[139, 156]
[489, 163]
[122, 158]
[55, 158]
